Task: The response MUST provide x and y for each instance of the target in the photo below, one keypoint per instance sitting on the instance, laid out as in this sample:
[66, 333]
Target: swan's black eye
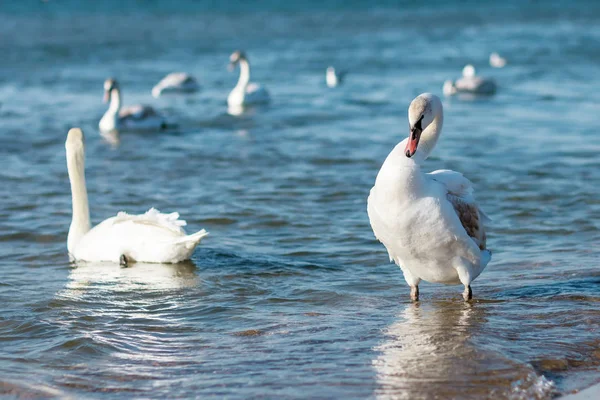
[418, 124]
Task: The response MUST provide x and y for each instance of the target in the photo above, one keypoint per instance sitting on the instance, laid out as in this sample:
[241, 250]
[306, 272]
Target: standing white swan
[152, 237]
[131, 117]
[470, 83]
[430, 223]
[176, 82]
[245, 93]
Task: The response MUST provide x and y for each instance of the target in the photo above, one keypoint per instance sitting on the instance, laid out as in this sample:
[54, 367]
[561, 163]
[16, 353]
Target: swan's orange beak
[105, 99]
[413, 140]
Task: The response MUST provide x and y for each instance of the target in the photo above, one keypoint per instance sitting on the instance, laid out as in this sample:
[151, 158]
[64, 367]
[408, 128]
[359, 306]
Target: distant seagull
[176, 82]
[496, 61]
[470, 83]
[334, 78]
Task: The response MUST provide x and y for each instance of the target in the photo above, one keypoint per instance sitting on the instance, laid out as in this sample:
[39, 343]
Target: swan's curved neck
[115, 101]
[80, 224]
[429, 138]
[244, 75]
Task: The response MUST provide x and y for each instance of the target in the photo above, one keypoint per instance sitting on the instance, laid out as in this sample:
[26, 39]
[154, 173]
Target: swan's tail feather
[486, 256]
[193, 239]
[484, 217]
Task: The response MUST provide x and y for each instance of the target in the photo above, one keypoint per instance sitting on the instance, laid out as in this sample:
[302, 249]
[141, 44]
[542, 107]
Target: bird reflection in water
[139, 276]
[428, 353]
[111, 137]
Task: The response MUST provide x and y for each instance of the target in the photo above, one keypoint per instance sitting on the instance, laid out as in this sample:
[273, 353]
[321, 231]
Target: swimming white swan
[245, 93]
[334, 78]
[496, 61]
[131, 117]
[430, 223]
[470, 83]
[176, 82]
[151, 237]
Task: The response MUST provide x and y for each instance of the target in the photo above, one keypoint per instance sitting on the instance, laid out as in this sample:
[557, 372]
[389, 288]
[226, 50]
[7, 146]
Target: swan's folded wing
[155, 218]
[176, 79]
[380, 228]
[138, 112]
[460, 195]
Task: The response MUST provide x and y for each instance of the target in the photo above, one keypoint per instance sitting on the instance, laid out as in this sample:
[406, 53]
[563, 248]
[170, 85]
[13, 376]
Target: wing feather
[138, 112]
[153, 217]
[460, 195]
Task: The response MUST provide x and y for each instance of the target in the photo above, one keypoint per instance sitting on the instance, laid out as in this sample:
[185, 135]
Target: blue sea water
[291, 296]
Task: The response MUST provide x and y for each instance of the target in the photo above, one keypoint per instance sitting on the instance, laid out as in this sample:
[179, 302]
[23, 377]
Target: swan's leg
[413, 282]
[123, 261]
[468, 293]
[414, 293]
[465, 278]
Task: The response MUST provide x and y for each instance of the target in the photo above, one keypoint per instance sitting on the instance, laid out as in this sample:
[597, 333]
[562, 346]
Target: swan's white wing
[176, 82]
[141, 117]
[177, 79]
[381, 229]
[253, 87]
[149, 237]
[154, 218]
[460, 195]
[137, 112]
[255, 94]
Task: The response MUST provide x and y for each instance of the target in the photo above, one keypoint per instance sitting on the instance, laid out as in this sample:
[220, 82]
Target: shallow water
[291, 296]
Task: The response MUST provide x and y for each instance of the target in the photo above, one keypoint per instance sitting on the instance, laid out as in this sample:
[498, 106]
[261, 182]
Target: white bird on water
[176, 82]
[138, 117]
[152, 237]
[470, 83]
[496, 61]
[430, 223]
[245, 93]
[334, 78]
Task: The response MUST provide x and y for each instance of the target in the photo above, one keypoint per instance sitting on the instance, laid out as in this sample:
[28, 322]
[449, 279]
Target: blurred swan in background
[334, 78]
[470, 83]
[131, 117]
[430, 223]
[496, 61]
[152, 237]
[176, 82]
[245, 93]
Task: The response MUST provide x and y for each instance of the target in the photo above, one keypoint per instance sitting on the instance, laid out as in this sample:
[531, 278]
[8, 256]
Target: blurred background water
[291, 296]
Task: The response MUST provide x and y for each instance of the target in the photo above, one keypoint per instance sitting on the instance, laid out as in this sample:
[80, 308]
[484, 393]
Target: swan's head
[330, 71]
[109, 85]
[421, 113]
[75, 142]
[235, 58]
[468, 71]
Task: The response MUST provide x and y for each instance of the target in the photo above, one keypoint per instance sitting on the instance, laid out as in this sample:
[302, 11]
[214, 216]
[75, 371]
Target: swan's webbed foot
[414, 292]
[468, 293]
[123, 261]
